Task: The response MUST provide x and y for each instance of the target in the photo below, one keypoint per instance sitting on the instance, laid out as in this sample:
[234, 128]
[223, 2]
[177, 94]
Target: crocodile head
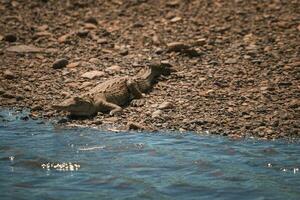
[161, 68]
[77, 106]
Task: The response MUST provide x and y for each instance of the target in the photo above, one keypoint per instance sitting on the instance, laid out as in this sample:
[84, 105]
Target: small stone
[60, 63]
[173, 3]
[73, 64]
[200, 42]
[9, 75]
[165, 105]
[42, 34]
[135, 126]
[177, 46]
[124, 52]
[42, 28]
[36, 108]
[93, 74]
[231, 61]
[91, 20]
[90, 26]
[95, 61]
[10, 38]
[176, 19]
[298, 27]
[156, 114]
[64, 38]
[113, 69]
[83, 33]
[25, 49]
[102, 41]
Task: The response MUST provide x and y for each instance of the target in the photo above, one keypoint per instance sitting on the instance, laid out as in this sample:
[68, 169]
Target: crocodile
[112, 94]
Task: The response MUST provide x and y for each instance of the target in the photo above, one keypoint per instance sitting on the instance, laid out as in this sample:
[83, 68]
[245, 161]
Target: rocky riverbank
[237, 62]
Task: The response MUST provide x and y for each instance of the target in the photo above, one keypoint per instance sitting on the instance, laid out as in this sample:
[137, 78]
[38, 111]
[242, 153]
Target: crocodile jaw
[76, 107]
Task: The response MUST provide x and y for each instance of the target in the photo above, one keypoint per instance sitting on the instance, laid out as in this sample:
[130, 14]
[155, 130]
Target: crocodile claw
[137, 102]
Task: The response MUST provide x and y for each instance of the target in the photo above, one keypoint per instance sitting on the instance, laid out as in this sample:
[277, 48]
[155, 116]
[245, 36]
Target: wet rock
[60, 63]
[93, 74]
[9, 75]
[165, 105]
[25, 49]
[135, 126]
[36, 108]
[10, 38]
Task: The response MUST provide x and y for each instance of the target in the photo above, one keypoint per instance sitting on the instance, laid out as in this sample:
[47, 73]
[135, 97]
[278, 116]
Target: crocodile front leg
[134, 90]
[103, 106]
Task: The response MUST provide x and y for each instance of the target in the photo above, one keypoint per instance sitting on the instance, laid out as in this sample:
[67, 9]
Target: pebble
[95, 61]
[91, 20]
[93, 74]
[231, 61]
[83, 33]
[73, 64]
[25, 49]
[10, 38]
[177, 46]
[64, 38]
[90, 26]
[124, 52]
[9, 75]
[113, 69]
[156, 114]
[135, 126]
[165, 105]
[60, 63]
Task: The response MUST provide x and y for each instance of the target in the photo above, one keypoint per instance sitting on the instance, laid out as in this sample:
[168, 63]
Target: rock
[83, 33]
[175, 19]
[177, 46]
[36, 108]
[231, 61]
[95, 61]
[91, 20]
[60, 63]
[42, 34]
[200, 42]
[73, 64]
[90, 26]
[124, 52]
[25, 49]
[135, 126]
[173, 3]
[156, 114]
[93, 74]
[64, 38]
[9, 75]
[113, 69]
[10, 38]
[165, 105]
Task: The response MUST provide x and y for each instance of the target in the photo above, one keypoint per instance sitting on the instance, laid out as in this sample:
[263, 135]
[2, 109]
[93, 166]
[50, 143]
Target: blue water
[41, 161]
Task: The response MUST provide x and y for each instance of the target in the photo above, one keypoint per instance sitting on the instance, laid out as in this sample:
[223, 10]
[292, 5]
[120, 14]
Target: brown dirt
[241, 77]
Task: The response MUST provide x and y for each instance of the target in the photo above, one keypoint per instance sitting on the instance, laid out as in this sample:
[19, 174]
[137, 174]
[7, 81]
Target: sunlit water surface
[40, 161]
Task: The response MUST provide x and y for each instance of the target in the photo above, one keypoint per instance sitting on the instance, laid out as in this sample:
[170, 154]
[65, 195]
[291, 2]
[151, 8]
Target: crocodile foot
[137, 102]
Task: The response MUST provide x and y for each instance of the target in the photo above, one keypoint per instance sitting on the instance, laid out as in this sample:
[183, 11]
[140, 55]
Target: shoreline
[237, 63]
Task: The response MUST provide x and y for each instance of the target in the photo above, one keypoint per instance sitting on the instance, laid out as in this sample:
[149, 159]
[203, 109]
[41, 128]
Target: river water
[41, 161]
